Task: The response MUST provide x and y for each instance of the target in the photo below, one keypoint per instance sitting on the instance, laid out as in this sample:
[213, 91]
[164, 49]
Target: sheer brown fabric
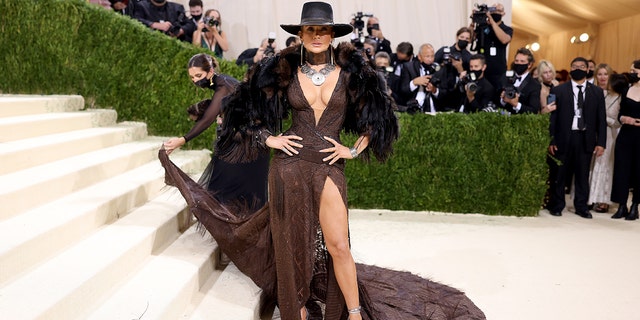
[384, 294]
[281, 246]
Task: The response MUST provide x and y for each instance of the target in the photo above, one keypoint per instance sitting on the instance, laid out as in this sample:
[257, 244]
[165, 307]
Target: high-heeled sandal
[355, 310]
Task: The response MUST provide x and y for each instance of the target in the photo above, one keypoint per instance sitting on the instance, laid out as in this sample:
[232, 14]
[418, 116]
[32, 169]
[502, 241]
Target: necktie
[581, 125]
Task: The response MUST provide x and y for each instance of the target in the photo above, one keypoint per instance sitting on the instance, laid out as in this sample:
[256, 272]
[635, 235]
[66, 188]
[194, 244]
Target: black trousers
[576, 162]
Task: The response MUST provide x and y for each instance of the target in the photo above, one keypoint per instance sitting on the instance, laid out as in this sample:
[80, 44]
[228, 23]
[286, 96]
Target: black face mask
[590, 74]
[203, 83]
[375, 26]
[496, 17]
[476, 73]
[196, 18]
[159, 1]
[519, 69]
[428, 68]
[633, 77]
[462, 44]
[578, 74]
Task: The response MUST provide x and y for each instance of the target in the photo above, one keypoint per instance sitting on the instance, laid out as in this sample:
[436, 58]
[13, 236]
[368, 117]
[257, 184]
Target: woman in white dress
[602, 169]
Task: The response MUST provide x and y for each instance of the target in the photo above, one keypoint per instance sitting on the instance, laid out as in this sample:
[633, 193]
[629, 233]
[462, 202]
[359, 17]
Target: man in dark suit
[578, 130]
[415, 82]
[252, 56]
[165, 16]
[479, 98]
[527, 97]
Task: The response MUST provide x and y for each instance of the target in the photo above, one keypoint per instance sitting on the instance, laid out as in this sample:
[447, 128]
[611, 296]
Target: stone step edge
[167, 283]
[31, 187]
[40, 233]
[86, 272]
[22, 154]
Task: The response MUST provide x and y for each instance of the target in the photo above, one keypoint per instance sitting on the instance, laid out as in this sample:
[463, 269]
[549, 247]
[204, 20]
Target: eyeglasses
[581, 67]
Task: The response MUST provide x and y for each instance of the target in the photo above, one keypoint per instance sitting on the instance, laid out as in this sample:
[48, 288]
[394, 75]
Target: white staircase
[89, 230]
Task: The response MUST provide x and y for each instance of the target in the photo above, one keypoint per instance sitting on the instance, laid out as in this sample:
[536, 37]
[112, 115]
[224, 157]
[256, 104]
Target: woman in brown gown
[297, 247]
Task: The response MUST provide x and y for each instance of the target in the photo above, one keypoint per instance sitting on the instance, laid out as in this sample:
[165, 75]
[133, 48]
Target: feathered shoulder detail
[260, 103]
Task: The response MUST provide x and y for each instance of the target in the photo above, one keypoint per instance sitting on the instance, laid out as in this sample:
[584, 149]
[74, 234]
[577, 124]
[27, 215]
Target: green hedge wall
[481, 163]
[72, 47]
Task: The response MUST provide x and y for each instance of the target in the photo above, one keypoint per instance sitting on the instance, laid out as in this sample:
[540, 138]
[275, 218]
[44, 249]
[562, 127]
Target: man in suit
[527, 97]
[252, 56]
[165, 16]
[479, 98]
[415, 81]
[578, 130]
[403, 54]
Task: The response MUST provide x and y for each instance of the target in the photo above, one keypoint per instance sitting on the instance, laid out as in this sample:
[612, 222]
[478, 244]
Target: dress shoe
[584, 214]
[633, 212]
[621, 213]
[555, 213]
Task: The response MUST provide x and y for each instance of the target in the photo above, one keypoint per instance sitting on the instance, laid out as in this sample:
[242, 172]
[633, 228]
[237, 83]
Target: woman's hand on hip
[287, 144]
[338, 151]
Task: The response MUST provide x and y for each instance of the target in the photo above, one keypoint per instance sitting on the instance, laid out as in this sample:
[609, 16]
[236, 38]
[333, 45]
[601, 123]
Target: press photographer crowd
[594, 110]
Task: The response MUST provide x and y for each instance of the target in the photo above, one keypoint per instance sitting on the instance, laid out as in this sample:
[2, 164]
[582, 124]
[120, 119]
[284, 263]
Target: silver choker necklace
[317, 77]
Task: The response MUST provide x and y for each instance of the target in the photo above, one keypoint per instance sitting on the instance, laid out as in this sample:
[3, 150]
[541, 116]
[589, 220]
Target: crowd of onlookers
[595, 111]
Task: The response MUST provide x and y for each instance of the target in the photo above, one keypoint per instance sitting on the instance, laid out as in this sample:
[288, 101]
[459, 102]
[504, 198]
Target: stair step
[39, 234]
[66, 285]
[29, 188]
[29, 126]
[232, 296]
[165, 286]
[18, 105]
[22, 154]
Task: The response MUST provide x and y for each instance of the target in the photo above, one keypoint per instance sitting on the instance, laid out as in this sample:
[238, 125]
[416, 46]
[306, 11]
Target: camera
[358, 24]
[468, 82]
[435, 81]
[482, 28]
[448, 55]
[269, 50]
[173, 30]
[385, 71]
[211, 21]
[479, 16]
[510, 91]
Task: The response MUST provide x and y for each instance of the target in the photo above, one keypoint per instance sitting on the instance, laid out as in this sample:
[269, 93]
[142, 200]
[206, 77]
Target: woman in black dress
[626, 166]
[244, 183]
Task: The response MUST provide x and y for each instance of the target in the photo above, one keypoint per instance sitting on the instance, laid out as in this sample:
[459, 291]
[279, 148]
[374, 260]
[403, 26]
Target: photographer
[491, 39]
[369, 48]
[416, 86]
[382, 62]
[251, 56]
[373, 29]
[520, 93]
[209, 34]
[458, 52]
[478, 90]
[165, 16]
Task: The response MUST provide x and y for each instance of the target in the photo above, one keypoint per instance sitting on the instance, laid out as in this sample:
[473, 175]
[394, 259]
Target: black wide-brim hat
[318, 14]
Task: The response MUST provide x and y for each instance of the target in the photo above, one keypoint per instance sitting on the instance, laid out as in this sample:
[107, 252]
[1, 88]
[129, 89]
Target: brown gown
[281, 246]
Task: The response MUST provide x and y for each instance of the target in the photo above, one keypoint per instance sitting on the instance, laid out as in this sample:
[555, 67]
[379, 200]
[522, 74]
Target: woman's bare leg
[335, 228]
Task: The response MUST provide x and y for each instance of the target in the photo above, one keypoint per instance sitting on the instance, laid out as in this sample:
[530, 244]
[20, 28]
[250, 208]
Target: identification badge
[492, 51]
